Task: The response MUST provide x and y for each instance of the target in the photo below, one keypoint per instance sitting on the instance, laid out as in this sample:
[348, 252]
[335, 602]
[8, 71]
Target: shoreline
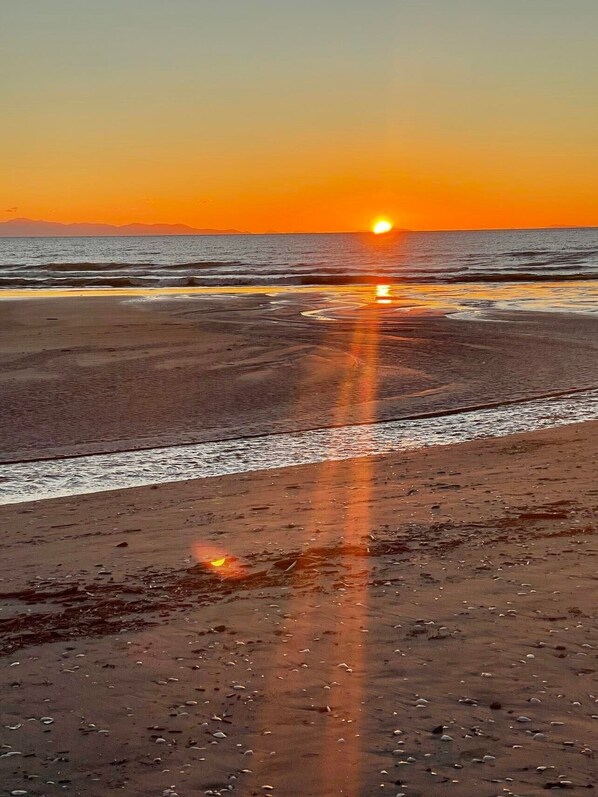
[424, 416]
[364, 290]
[41, 480]
[454, 583]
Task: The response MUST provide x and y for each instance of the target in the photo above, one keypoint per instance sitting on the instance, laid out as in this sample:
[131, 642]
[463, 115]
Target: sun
[381, 226]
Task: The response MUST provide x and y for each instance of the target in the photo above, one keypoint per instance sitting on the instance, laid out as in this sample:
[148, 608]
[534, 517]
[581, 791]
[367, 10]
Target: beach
[84, 374]
[418, 623]
[299, 399]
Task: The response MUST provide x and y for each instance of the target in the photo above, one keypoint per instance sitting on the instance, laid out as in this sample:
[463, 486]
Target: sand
[421, 624]
[361, 607]
[105, 374]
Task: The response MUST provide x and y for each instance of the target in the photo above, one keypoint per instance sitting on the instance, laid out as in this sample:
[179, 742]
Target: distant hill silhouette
[31, 228]
[568, 227]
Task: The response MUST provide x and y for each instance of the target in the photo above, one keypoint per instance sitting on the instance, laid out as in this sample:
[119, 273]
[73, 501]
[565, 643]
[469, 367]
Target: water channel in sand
[34, 481]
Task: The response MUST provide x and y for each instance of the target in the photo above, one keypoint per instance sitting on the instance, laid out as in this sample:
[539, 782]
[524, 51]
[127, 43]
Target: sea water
[31, 481]
[552, 255]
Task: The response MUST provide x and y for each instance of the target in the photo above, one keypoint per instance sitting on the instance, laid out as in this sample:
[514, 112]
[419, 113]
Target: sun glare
[383, 294]
[381, 226]
[218, 562]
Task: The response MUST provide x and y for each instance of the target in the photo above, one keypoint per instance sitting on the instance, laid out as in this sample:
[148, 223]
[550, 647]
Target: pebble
[219, 735]
[446, 738]
[523, 719]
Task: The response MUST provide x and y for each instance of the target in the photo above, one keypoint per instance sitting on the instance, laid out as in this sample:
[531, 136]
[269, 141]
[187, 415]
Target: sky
[311, 115]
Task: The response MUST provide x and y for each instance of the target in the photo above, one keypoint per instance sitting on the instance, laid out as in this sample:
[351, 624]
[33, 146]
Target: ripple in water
[34, 481]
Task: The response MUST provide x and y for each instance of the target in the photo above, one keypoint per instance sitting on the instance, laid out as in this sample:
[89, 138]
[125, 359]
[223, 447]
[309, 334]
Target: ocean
[509, 256]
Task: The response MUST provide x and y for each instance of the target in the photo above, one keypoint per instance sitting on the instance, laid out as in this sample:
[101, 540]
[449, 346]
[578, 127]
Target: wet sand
[418, 624]
[96, 374]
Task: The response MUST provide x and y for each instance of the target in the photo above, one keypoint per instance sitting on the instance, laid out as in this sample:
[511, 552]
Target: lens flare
[213, 559]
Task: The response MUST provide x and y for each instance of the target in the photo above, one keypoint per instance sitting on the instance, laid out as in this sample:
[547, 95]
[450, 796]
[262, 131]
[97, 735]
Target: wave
[186, 281]
[99, 266]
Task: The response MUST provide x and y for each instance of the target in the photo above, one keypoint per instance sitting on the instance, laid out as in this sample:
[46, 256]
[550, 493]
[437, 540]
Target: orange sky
[301, 115]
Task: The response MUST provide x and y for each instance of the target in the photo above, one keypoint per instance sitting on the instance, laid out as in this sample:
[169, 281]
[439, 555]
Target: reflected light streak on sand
[344, 759]
[339, 762]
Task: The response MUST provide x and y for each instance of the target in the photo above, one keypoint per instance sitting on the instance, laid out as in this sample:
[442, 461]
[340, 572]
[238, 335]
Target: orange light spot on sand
[380, 226]
[215, 560]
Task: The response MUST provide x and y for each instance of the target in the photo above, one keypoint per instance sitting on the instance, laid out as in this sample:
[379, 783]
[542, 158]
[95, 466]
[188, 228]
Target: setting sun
[381, 226]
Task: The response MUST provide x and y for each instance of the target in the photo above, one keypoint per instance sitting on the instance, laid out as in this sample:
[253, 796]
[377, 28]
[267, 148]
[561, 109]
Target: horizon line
[207, 231]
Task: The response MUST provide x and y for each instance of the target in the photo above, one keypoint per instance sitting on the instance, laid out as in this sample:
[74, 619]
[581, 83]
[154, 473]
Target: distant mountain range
[31, 228]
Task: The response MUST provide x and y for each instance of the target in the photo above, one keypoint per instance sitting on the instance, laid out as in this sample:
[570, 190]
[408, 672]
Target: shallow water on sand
[331, 302]
[32, 481]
